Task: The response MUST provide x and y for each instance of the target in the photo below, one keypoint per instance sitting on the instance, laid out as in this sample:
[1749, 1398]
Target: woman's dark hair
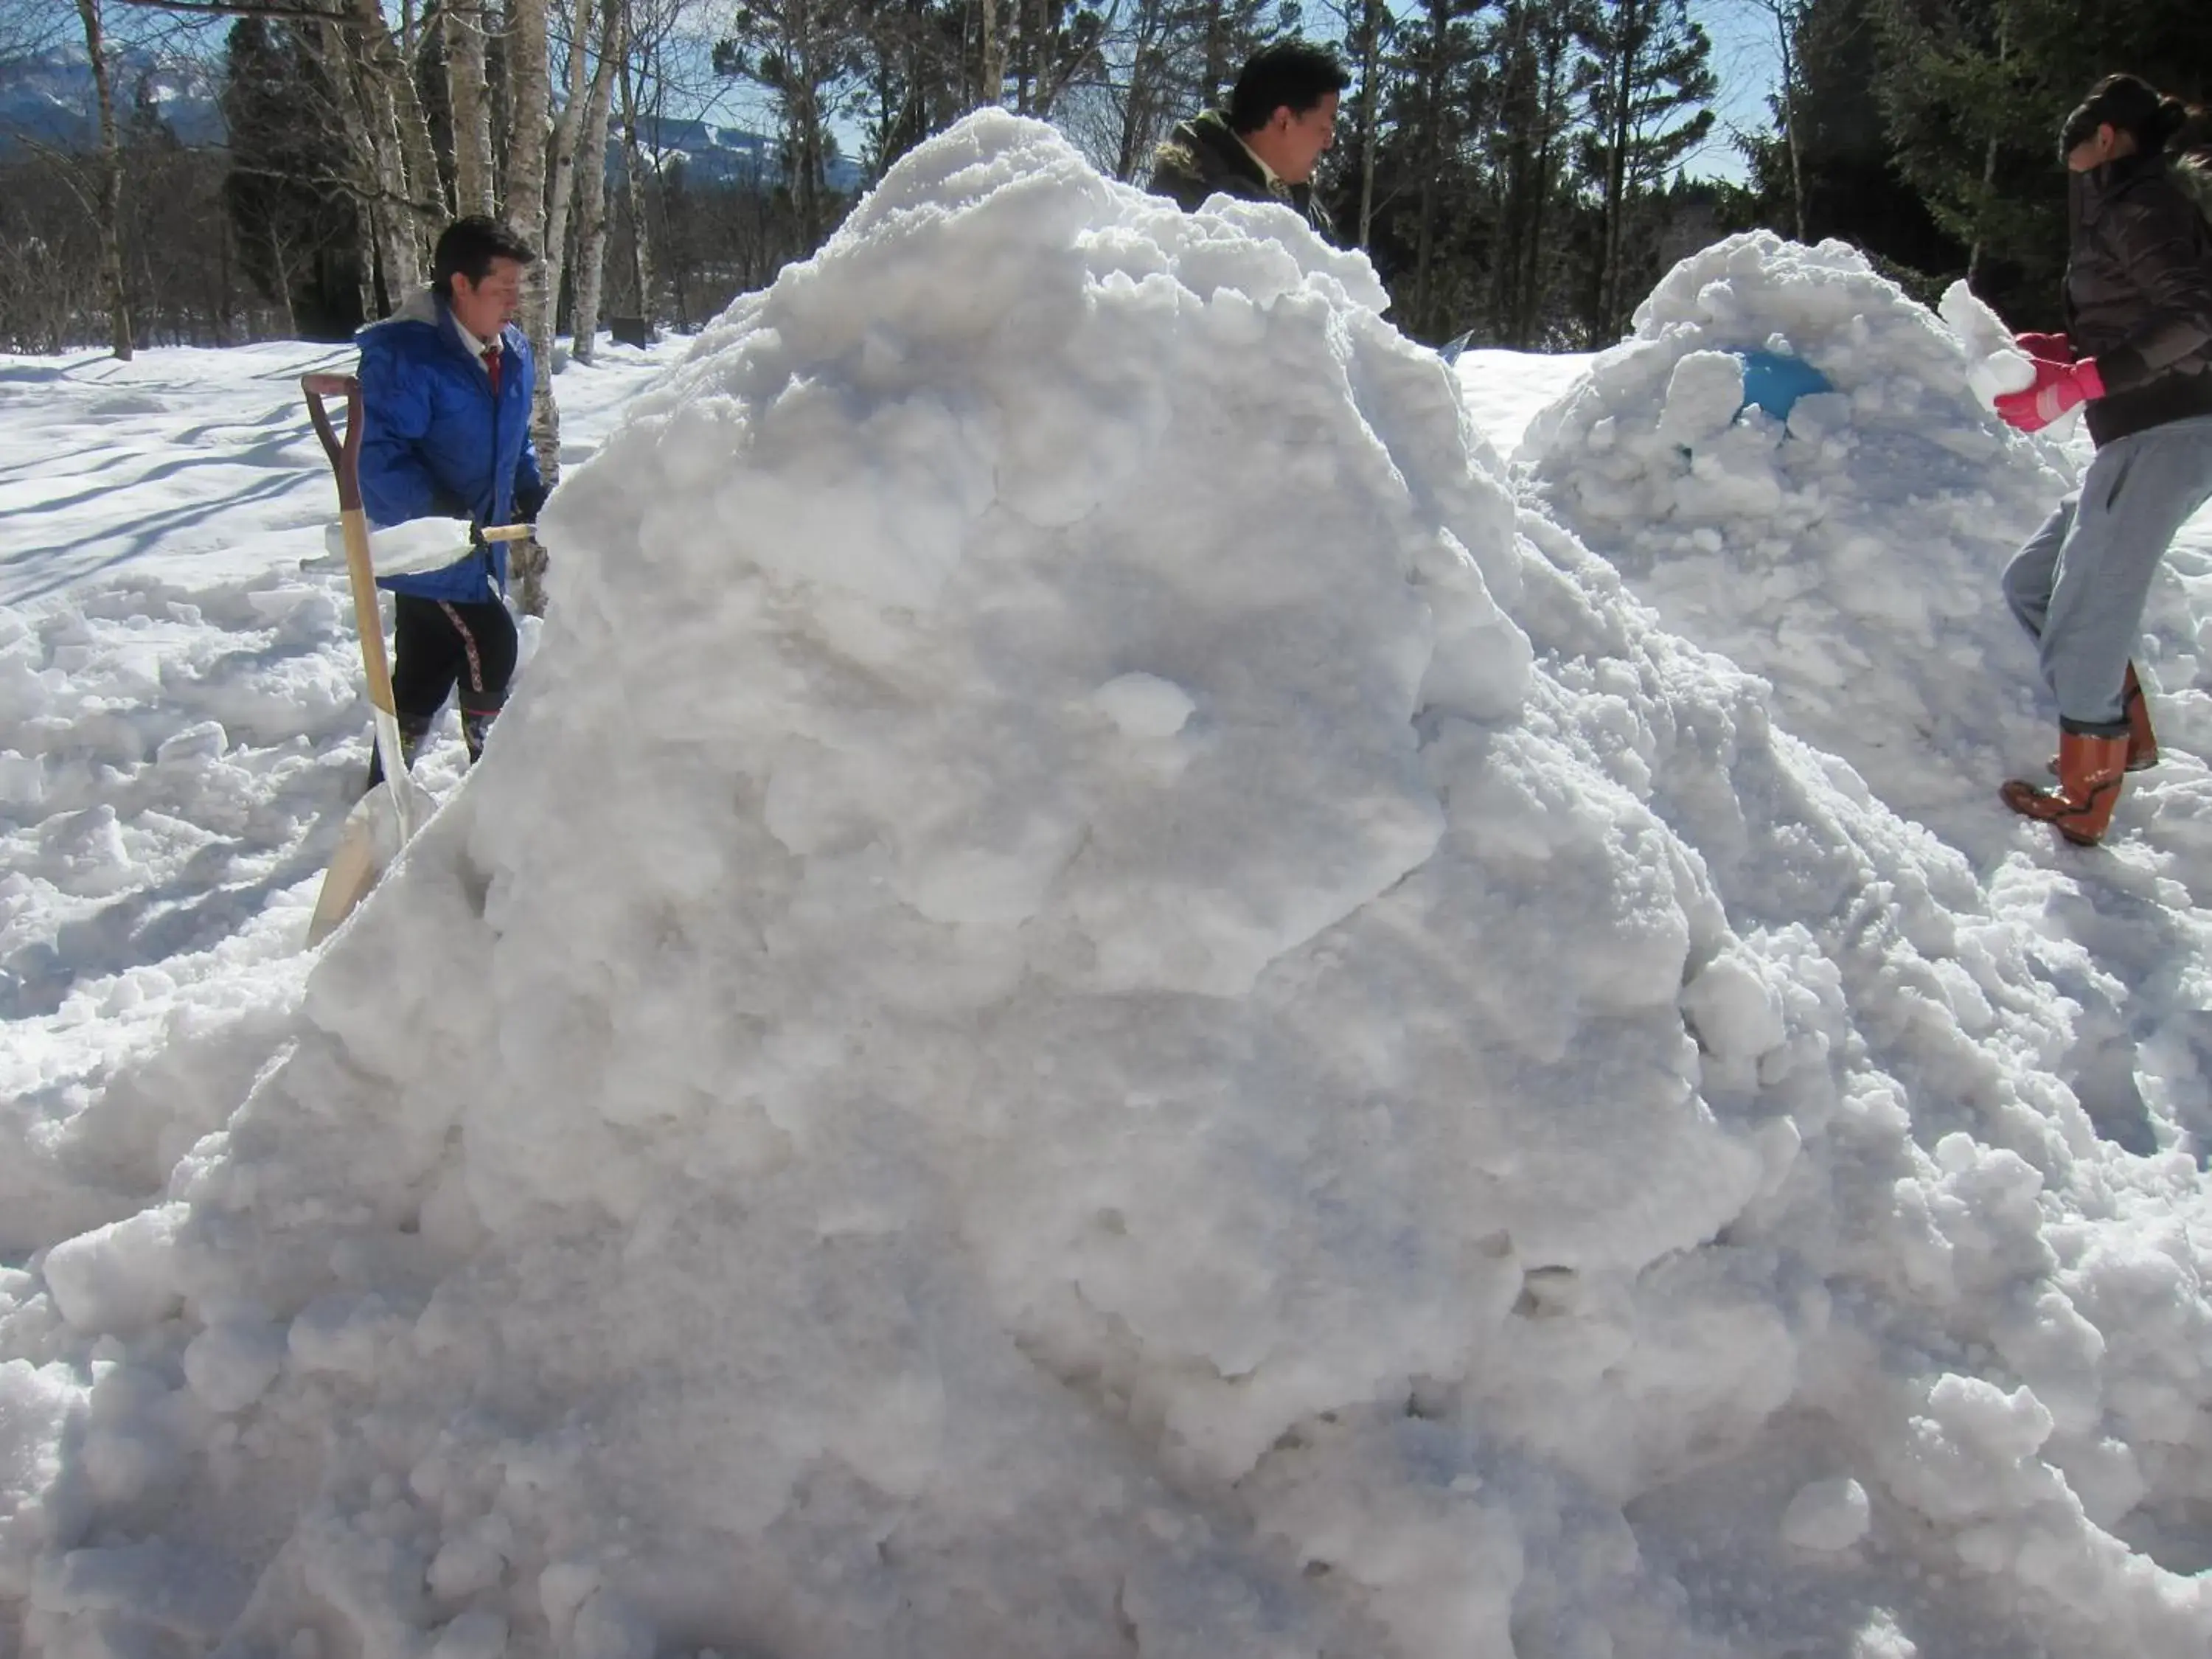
[1292, 75]
[467, 249]
[2136, 108]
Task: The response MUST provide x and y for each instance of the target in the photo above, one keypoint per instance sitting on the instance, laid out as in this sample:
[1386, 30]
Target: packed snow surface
[1107, 993]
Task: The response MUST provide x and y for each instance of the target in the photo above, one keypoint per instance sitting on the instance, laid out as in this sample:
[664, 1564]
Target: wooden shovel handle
[345, 456]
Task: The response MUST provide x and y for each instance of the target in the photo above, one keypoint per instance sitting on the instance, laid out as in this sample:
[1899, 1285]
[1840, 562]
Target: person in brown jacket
[1265, 145]
[2138, 352]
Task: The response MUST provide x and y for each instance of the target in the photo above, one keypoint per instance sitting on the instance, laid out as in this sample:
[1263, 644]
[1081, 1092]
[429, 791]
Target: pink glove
[2058, 387]
[2049, 348]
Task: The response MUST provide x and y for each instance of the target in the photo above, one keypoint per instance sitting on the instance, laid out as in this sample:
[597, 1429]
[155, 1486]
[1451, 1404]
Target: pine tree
[1974, 92]
[1427, 221]
[1843, 181]
[298, 231]
[1370, 31]
[1536, 65]
[108, 209]
[805, 53]
[1651, 81]
[1971, 115]
[913, 76]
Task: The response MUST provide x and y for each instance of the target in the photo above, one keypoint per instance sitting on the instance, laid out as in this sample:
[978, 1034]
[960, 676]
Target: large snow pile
[1850, 555]
[1093, 1004]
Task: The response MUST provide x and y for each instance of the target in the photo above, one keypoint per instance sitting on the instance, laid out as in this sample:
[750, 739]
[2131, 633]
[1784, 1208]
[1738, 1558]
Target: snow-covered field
[1136, 973]
[184, 730]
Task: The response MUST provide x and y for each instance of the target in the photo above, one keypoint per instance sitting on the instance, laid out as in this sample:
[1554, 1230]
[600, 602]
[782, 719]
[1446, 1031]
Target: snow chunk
[193, 1593]
[1734, 1013]
[1703, 395]
[1995, 364]
[232, 1361]
[119, 1278]
[1145, 705]
[342, 1334]
[40, 1505]
[478, 1635]
[1827, 1516]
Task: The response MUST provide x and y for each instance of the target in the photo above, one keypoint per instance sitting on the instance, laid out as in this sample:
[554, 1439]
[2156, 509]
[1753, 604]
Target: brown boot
[2142, 742]
[2089, 774]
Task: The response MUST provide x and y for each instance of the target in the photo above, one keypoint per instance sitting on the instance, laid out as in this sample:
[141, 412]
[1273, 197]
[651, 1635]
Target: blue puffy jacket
[435, 442]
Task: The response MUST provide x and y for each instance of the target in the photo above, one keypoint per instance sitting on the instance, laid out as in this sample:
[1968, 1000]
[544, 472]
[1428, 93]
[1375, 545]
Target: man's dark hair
[467, 249]
[1292, 75]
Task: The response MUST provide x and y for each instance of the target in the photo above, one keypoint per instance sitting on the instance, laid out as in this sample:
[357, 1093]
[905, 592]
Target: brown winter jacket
[1204, 157]
[2139, 293]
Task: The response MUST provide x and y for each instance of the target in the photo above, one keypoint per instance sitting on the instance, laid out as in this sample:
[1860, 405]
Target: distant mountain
[48, 99]
[732, 155]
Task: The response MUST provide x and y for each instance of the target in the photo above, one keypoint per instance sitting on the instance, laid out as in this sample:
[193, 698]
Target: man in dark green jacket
[1266, 145]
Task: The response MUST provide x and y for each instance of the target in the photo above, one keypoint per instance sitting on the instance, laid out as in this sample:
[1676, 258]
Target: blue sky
[1748, 64]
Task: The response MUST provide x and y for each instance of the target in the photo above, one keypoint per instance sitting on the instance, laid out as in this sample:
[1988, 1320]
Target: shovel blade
[377, 827]
[354, 869]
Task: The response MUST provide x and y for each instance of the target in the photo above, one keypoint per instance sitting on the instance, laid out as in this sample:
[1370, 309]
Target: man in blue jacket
[445, 385]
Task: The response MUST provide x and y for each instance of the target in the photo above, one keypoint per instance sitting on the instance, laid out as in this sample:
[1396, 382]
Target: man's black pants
[440, 644]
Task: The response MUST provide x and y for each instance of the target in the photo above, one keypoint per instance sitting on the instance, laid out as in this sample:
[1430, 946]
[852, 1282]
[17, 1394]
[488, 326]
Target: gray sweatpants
[2079, 584]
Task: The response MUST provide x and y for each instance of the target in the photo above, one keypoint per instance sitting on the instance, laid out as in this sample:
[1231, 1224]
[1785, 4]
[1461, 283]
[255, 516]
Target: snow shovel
[356, 865]
[395, 804]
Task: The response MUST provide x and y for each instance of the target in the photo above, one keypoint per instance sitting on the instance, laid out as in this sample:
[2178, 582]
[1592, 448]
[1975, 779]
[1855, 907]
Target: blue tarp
[1775, 381]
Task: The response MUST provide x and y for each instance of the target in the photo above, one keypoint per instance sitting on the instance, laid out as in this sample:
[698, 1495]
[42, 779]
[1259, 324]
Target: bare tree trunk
[372, 139]
[1554, 96]
[1370, 72]
[327, 42]
[1989, 163]
[397, 245]
[592, 186]
[110, 210]
[425, 185]
[1038, 81]
[529, 98]
[529, 77]
[470, 99]
[407, 168]
[803, 112]
[994, 57]
[1786, 39]
[1607, 322]
[1057, 66]
[553, 255]
[640, 245]
[1432, 115]
[283, 267]
[1216, 49]
[1145, 67]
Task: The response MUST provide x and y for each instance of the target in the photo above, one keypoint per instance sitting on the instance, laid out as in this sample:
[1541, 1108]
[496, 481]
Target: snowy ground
[1136, 976]
[180, 685]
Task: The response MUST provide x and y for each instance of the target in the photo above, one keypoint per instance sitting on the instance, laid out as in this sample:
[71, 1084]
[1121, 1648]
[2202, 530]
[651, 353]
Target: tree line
[1926, 131]
[1517, 168]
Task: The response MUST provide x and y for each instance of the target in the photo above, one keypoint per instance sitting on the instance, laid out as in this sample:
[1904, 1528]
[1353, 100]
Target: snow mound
[1850, 557]
[1093, 1004]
